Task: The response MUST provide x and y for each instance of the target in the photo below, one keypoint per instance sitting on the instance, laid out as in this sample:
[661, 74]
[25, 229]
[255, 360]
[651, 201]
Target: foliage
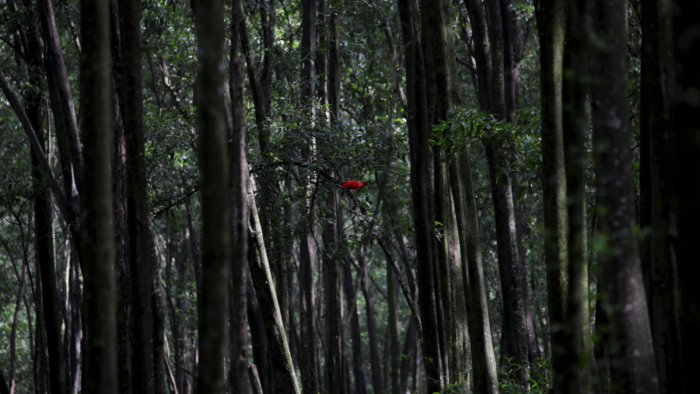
[540, 377]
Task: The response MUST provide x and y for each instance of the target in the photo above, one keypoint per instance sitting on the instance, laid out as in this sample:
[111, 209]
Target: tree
[100, 361]
[657, 206]
[686, 151]
[632, 359]
[141, 247]
[216, 249]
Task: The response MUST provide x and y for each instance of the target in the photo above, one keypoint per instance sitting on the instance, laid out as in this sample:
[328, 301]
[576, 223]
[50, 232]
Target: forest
[349, 196]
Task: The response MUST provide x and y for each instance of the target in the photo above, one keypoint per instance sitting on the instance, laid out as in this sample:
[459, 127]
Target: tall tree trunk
[238, 186]
[141, 247]
[43, 227]
[510, 84]
[483, 357]
[632, 364]
[421, 187]
[309, 359]
[58, 77]
[551, 23]
[121, 261]
[100, 361]
[686, 83]
[335, 363]
[658, 152]
[216, 226]
[514, 323]
[575, 370]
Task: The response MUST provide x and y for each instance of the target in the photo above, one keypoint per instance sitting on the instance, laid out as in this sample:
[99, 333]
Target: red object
[355, 185]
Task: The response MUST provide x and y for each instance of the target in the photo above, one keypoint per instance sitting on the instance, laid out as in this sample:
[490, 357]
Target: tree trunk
[394, 330]
[355, 335]
[377, 382]
[141, 247]
[574, 375]
[658, 152]
[120, 214]
[258, 338]
[632, 364]
[157, 303]
[216, 219]
[58, 77]
[551, 22]
[335, 362]
[238, 186]
[422, 193]
[309, 359]
[483, 358]
[100, 360]
[686, 82]
[514, 323]
[283, 376]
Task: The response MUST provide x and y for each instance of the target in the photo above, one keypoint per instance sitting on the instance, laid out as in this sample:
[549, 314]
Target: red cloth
[353, 185]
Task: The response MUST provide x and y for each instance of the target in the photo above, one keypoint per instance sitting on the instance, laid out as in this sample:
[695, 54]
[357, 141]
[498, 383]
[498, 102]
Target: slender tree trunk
[309, 359]
[120, 213]
[100, 361]
[686, 82]
[394, 330]
[238, 186]
[13, 333]
[377, 383]
[510, 83]
[355, 335]
[58, 77]
[43, 219]
[483, 357]
[283, 376]
[335, 363]
[258, 338]
[157, 303]
[632, 363]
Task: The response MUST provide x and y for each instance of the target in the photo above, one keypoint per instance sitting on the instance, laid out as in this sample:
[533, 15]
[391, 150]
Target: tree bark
[632, 364]
[421, 187]
[141, 247]
[119, 192]
[213, 161]
[574, 373]
[58, 77]
[335, 362]
[483, 358]
[551, 23]
[309, 359]
[686, 82]
[238, 186]
[100, 360]
[657, 176]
